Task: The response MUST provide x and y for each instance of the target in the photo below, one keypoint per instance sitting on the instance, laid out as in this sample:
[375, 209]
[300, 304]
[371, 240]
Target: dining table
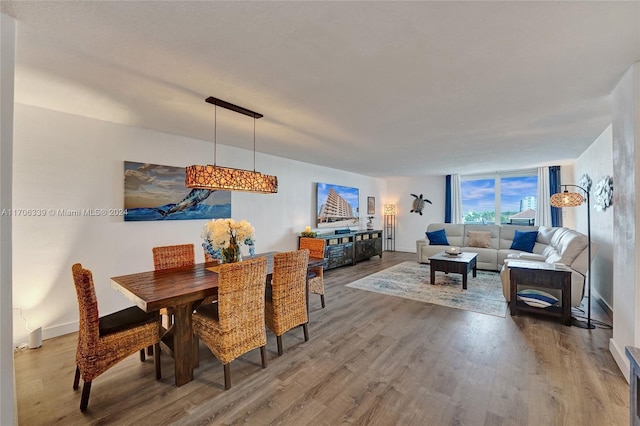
[182, 289]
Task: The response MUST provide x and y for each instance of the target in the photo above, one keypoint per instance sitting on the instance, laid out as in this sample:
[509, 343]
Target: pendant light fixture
[214, 177]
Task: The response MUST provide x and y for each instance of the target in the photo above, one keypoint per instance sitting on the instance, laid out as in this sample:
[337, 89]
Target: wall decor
[418, 204]
[585, 182]
[156, 192]
[603, 193]
[371, 205]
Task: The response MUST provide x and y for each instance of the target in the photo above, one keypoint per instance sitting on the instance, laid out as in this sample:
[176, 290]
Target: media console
[349, 248]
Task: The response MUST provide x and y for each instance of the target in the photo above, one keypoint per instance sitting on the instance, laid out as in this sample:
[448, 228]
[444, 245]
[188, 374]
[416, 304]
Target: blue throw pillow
[537, 298]
[524, 241]
[437, 238]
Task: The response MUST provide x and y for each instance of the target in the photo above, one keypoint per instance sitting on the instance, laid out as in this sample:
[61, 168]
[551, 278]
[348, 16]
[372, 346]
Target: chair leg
[150, 350]
[322, 300]
[76, 379]
[142, 356]
[305, 329]
[84, 401]
[156, 360]
[279, 340]
[263, 355]
[227, 377]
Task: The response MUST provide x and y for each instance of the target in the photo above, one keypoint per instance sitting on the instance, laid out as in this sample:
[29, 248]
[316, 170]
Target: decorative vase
[232, 253]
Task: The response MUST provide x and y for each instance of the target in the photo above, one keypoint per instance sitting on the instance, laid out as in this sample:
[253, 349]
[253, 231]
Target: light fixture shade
[229, 179]
[566, 199]
[389, 209]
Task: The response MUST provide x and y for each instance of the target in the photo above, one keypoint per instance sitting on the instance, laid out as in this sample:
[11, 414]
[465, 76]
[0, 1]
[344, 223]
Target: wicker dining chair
[286, 299]
[176, 256]
[165, 257]
[235, 325]
[314, 276]
[105, 341]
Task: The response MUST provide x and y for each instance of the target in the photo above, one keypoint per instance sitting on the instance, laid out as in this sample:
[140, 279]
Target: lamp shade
[566, 199]
[227, 178]
[389, 209]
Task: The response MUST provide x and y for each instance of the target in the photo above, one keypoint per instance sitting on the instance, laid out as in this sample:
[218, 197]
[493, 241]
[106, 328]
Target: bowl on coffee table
[453, 251]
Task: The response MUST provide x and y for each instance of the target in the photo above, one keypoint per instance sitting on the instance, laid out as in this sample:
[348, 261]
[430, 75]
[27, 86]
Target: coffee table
[461, 264]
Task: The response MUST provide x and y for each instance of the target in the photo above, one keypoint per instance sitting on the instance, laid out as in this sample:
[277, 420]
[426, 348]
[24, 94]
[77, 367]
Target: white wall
[597, 162]
[412, 226]
[63, 161]
[7, 66]
[626, 297]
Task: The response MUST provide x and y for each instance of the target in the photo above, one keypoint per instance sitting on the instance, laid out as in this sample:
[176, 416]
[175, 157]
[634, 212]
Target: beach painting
[155, 192]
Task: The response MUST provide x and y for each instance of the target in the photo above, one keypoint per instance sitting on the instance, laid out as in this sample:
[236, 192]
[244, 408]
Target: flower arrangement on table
[223, 238]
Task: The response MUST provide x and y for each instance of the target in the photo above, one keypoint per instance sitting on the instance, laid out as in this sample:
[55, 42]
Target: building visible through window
[508, 196]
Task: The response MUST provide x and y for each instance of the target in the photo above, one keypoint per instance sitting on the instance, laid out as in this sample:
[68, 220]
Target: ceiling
[377, 88]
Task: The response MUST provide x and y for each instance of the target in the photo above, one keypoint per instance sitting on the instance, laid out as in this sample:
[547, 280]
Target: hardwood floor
[371, 359]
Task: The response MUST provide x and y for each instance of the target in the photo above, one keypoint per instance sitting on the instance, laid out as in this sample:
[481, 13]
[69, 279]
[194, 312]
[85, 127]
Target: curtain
[554, 188]
[447, 200]
[543, 209]
[456, 200]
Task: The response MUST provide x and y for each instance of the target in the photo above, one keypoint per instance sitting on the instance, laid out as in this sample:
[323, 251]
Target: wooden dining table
[181, 289]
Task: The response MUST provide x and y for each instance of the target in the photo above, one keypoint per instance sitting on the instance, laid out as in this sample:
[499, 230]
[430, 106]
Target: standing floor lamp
[573, 199]
[390, 227]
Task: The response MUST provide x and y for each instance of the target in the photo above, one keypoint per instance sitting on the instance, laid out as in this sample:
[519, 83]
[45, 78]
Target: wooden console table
[540, 275]
[350, 248]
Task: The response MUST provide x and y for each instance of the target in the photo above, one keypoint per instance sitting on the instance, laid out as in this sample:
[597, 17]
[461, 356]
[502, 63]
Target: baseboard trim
[603, 304]
[620, 358]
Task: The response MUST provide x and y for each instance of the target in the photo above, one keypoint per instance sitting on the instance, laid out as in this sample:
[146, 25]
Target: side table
[540, 275]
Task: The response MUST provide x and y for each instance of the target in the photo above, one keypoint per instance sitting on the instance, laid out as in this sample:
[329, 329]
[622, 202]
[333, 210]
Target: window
[508, 196]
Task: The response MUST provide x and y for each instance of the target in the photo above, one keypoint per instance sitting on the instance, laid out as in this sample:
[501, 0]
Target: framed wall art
[371, 205]
[155, 192]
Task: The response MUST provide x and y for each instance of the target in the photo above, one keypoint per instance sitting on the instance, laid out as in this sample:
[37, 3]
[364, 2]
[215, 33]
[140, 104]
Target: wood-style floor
[371, 359]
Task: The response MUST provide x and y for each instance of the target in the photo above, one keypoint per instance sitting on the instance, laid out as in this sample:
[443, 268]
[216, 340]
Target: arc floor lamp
[574, 199]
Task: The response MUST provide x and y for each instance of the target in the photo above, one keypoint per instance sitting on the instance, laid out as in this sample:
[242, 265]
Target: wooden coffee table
[460, 264]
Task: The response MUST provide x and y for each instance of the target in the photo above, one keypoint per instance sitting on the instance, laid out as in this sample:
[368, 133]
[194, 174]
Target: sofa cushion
[507, 233]
[571, 245]
[437, 238]
[479, 239]
[524, 241]
[545, 234]
[493, 229]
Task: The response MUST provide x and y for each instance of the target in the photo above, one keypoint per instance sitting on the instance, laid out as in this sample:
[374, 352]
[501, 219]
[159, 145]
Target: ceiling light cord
[254, 142]
[215, 131]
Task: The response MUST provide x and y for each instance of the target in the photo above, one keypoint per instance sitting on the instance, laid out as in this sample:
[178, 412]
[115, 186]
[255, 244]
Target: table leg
[183, 350]
[464, 280]
[433, 274]
[475, 271]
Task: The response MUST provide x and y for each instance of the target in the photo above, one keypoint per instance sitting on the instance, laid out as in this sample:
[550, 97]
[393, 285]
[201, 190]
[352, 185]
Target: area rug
[411, 280]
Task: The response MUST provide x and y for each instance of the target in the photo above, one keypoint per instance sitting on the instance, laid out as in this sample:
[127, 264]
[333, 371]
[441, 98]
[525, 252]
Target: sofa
[552, 245]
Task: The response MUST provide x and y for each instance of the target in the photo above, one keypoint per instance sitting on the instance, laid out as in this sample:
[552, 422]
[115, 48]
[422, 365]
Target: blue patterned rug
[411, 280]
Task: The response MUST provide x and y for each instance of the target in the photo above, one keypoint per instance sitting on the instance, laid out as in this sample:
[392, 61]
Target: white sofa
[553, 245]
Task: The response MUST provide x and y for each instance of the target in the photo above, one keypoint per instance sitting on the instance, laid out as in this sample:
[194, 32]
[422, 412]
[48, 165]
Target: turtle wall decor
[418, 204]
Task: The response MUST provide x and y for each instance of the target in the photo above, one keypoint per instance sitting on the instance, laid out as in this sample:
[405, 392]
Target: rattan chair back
[165, 257]
[287, 306]
[235, 325]
[316, 280]
[314, 245]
